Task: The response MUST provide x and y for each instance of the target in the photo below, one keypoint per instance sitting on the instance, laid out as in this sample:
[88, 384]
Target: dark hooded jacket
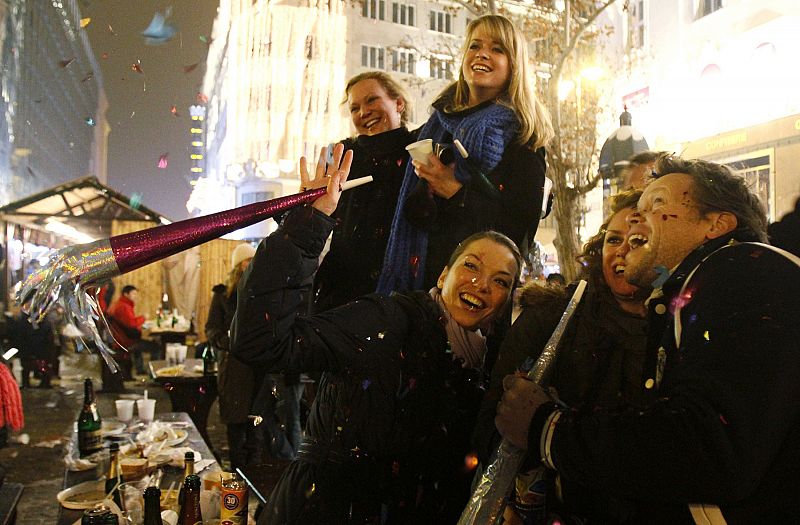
[389, 429]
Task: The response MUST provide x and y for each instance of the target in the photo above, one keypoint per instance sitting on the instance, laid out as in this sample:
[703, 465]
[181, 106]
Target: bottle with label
[210, 366]
[190, 512]
[152, 506]
[188, 470]
[90, 439]
[233, 507]
[114, 475]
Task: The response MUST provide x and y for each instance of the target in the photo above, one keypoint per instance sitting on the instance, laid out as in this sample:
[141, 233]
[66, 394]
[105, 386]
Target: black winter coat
[389, 429]
[363, 217]
[725, 423]
[510, 203]
[236, 381]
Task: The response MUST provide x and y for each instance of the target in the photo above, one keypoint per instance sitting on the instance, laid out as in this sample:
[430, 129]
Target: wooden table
[171, 474]
[193, 393]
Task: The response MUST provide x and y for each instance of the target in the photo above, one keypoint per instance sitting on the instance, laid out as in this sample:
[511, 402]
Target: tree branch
[581, 28]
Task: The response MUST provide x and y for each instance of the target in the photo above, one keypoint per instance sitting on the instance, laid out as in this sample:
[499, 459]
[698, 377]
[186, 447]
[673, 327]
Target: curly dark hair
[717, 189]
[591, 257]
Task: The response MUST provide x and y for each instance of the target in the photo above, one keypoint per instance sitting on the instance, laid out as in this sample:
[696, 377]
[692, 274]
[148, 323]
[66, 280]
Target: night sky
[142, 126]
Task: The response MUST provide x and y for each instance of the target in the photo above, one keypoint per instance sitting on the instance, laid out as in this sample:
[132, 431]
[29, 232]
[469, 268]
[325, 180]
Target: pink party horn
[71, 270]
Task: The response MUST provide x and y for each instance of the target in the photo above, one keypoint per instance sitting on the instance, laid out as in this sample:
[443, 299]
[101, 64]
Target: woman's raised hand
[441, 177]
[331, 176]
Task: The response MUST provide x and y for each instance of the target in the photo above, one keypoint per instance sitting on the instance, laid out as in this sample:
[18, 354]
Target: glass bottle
[190, 512]
[188, 470]
[233, 507]
[114, 475]
[152, 506]
[210, 366]
[90, 439]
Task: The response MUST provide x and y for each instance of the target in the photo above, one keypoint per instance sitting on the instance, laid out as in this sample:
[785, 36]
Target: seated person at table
[388, 434]
[126, 327]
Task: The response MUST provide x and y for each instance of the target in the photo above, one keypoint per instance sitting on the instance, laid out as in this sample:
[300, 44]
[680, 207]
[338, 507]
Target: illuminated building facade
[717, 80]
[53, 126]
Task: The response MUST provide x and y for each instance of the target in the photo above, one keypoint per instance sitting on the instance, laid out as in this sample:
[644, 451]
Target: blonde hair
[534, 118]
[234, 276]
[392, 87]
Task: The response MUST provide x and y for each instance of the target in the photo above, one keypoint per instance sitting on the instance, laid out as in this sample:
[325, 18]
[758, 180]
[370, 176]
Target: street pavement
[49, 418]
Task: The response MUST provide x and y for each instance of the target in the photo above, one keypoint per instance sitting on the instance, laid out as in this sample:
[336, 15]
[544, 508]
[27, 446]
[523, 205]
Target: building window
[404, 61]
[256, 196]
[441, 22]
[706, 7]
[375, 9]
[403, 14]
[637, 24]
[441, 68]
[757, 169]
[372, 57]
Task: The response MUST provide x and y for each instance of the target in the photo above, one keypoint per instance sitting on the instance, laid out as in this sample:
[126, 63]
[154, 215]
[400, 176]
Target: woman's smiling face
[479, 283]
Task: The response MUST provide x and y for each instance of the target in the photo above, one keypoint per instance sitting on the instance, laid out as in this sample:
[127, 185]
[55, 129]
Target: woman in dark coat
[493, 112]
[236, 381]
[389, 430]
[601, 355]
[379, 108]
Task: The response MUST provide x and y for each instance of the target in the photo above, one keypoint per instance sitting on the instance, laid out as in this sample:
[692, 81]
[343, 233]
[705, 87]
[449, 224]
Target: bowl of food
[83, 495]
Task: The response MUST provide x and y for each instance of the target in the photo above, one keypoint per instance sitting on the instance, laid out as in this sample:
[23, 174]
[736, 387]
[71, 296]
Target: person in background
[493, 112]
[388, 435]
[126, 327]
[379, 108]
[37, 348]
[785, 233]
[236, 381]
[638, 172]
[718, 442]
[555, 280]
[600, 358]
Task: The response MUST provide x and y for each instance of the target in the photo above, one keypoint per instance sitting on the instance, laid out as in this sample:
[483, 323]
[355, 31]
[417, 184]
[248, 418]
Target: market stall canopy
[83, 204]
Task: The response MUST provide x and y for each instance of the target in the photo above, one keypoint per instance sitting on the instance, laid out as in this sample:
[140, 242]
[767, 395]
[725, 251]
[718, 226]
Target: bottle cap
[152, 492]
[189, 456]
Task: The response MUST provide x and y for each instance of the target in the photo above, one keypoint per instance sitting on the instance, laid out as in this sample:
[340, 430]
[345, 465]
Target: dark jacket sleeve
[268, 329]
[216, 331]
[728, 402]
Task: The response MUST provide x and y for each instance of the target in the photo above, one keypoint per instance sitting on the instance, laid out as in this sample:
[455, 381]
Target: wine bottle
[188, 470]
[114, 475]
[152, 506]
[190, 512]
[210, 366]
[90, 439]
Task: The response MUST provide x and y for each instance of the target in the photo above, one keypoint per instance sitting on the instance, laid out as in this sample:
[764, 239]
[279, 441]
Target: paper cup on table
[180, 353]
[421, 150]
[172, 354]
[124, 409]
[210, 503]
[146, 409]
[213, 480]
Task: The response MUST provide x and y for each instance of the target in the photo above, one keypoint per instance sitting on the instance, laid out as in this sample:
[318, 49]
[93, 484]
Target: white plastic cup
[180, 353]
[172, 354]
[146, 409]
[421, 150]
[124, 409]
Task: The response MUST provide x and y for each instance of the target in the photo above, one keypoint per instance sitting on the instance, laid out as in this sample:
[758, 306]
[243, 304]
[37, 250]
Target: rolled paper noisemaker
[71, 270]
[485, 506]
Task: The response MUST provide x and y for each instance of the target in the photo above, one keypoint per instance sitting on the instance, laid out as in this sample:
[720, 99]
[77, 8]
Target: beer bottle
[190, 508]
[234, 500]
[90, 439]
[152, 506]
[114, 475]
[96, 515]
[209, 360]
[188, 470]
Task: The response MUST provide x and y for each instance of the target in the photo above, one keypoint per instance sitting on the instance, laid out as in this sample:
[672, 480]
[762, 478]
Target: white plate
[83, 495]
[180, 437]
[112, 428]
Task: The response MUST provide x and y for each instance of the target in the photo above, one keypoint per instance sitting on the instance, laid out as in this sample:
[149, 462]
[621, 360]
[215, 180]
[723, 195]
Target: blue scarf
[484, 133]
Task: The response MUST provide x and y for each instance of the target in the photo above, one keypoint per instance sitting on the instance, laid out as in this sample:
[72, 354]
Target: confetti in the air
[136, 200]
[137, 66]
[65, 63]
[85, 21]
[90, 121]
[162, 161]
[111, 30]
[174, 111]
[159, 31]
